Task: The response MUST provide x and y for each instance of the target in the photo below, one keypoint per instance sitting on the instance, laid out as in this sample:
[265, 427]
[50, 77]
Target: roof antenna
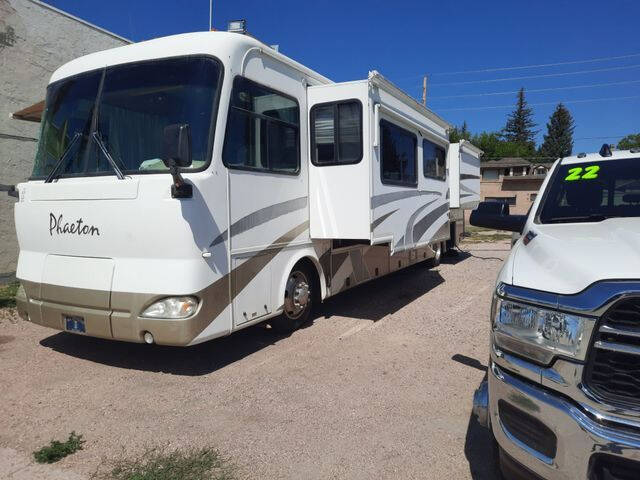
[605, 151]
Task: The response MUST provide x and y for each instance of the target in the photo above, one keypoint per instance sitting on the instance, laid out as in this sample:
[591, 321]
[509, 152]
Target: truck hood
[567, 258]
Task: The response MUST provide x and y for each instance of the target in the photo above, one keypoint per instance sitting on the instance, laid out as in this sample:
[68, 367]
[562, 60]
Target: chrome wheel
[297, 295]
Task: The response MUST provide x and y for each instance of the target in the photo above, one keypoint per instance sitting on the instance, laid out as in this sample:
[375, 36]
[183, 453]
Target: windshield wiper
[594, 217]
[63, 158]
[107, 155]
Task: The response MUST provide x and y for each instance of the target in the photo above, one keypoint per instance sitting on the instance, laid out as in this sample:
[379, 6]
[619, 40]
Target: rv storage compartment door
[339, 175]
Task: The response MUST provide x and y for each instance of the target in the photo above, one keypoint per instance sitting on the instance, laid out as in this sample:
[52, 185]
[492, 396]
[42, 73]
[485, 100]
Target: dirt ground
[378, 386]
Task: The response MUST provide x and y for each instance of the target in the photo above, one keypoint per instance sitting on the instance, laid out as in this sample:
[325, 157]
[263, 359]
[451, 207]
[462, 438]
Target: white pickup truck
[562, 395]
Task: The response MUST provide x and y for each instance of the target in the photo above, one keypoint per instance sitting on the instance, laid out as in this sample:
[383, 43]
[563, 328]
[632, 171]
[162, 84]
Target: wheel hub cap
[297, 295]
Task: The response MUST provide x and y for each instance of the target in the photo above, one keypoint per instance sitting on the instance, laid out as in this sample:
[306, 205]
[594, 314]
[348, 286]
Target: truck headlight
[538, 333]
[172, 307]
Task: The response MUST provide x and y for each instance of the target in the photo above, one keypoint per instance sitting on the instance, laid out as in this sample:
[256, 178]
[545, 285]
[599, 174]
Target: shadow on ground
[384, 296]
[478, 445]
[200, 359]
[371, 301]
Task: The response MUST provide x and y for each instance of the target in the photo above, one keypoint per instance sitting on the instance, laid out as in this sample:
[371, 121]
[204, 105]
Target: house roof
[30, 114]
[509, 162]
[80, 20]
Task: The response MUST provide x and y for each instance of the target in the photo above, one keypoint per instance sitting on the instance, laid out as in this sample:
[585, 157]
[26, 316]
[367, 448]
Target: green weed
[58, 450]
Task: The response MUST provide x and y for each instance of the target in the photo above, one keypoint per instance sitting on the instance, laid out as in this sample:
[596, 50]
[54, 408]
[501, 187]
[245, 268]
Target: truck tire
[298, 300]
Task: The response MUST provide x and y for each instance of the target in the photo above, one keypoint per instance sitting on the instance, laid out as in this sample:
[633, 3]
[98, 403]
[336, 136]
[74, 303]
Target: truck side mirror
[176, 154]
[495, 215]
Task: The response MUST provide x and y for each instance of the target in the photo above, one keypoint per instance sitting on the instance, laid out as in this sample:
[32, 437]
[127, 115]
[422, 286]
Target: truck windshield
[593, 192]
[128, 106]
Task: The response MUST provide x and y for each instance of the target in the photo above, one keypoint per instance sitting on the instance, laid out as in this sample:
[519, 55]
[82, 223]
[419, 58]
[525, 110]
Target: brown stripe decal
[425, 222]
[261, 216]
[385, 198]
[247, 271]
[412, 219]
[378, 221]
[216, 296]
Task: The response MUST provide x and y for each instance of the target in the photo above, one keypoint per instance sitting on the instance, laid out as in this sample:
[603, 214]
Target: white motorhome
[189, 186]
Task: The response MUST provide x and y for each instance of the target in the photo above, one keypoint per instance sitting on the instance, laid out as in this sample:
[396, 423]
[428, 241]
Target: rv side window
[434, 160]
[262, 129]
[336, 133]
[398, 147]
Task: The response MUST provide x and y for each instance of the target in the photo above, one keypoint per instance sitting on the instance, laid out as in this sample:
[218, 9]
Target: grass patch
[187, 464]
[8, 294]
[58, 450]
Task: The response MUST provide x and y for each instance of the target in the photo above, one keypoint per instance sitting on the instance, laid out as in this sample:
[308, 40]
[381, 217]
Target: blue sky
[406, 39]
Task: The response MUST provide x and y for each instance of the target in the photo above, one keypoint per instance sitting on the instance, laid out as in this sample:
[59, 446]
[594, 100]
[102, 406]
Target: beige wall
[34, 41]
[522, 189]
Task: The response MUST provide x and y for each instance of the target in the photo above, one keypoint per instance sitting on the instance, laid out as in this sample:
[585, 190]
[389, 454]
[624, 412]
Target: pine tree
[459, 133]
[558, 142]
[520, 125]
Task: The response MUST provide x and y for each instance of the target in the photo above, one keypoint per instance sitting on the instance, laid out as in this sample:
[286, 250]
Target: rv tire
[298, 302]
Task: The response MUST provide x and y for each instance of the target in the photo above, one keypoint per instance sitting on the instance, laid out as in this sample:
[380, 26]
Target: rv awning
[30, 114]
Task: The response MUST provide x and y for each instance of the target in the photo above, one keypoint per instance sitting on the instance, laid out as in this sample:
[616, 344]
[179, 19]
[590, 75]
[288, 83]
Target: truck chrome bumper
[580, 438]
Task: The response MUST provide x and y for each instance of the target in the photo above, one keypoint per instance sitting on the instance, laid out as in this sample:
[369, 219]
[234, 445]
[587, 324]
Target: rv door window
[433, 160]
[398, 147]
[262, 129]
[336, 133]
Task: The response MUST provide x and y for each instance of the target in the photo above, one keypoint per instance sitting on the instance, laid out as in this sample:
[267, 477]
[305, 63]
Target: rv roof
[222, 44]
[376, 78]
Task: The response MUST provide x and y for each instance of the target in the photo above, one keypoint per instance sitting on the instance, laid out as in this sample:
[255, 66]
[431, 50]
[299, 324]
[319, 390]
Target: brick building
[512, 180]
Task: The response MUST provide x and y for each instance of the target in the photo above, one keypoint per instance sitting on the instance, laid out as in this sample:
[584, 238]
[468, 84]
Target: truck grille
[613, 368]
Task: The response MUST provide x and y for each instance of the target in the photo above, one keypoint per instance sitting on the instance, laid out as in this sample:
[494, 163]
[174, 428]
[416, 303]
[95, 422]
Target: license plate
[74, 324]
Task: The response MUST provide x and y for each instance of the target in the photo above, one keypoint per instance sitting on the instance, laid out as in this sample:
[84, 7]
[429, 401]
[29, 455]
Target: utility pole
[210, 15]
[424, 91]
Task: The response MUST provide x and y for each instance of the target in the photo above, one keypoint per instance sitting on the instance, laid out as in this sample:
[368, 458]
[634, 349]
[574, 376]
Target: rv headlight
[538, 333]
[172, 307]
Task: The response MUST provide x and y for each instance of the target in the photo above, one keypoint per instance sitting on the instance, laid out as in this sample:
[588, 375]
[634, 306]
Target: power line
[543, 103]
[600, 138]
[547, 75]
[511, 92]
[540, 65]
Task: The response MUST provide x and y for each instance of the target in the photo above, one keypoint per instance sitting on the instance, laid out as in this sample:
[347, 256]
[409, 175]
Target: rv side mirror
[177, 154]
[177, 145]
[495, 215]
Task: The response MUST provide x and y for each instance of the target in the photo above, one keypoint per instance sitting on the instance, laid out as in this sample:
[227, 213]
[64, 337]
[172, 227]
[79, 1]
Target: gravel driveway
[379, 386]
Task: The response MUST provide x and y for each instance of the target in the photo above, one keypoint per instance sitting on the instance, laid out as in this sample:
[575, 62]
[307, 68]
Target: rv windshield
[128, 106]
[593, 192]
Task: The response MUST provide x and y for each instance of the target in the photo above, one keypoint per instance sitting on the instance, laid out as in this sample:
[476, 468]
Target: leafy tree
[460, 133]
[494, 147]
[558, 142]
[520, 125]
[630, 141]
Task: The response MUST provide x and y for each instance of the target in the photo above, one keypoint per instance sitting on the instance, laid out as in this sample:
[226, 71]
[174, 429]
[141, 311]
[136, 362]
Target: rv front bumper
[121, 320]
[584, 448]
